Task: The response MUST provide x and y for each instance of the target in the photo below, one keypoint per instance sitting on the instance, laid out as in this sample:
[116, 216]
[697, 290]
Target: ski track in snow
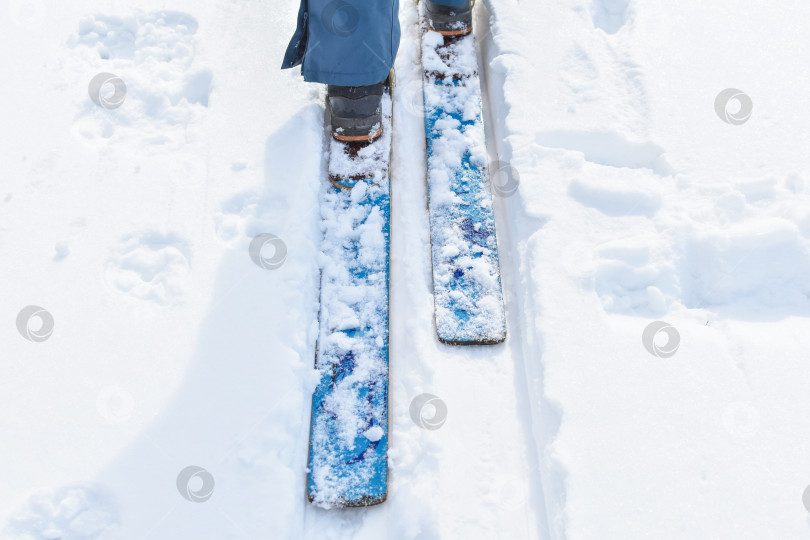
[635, 203]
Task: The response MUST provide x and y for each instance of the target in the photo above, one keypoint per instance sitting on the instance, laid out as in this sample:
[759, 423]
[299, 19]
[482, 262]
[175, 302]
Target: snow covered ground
[130, 226]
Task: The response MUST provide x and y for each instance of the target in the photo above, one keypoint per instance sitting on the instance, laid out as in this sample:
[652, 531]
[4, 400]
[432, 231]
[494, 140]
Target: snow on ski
[348, 447]
[466, 276]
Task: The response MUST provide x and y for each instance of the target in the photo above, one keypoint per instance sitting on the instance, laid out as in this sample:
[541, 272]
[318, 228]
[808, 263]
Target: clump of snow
[374, 433]
[452, 57]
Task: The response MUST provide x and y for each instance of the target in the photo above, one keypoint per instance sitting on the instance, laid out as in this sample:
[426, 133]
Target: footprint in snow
[635, 276]
[610, 15]
[158, 87]
[150, 266]
[608, 148]
[761, 262]
[78, 512]
[62, 248]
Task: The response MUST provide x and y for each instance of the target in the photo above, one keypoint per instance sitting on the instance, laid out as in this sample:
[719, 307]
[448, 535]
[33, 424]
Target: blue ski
[348, 445]
[466, 276]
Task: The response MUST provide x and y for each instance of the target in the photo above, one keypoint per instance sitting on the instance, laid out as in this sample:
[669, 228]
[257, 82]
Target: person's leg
[449, 17]
[351, 46]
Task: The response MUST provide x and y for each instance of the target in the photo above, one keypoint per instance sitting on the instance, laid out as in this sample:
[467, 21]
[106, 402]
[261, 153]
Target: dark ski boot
[355, 111]
[449, 20]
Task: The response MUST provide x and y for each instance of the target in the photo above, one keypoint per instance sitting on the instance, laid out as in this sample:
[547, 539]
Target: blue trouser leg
[345, 42]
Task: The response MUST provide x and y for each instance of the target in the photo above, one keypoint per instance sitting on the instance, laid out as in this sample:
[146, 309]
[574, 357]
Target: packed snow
[650, 180]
